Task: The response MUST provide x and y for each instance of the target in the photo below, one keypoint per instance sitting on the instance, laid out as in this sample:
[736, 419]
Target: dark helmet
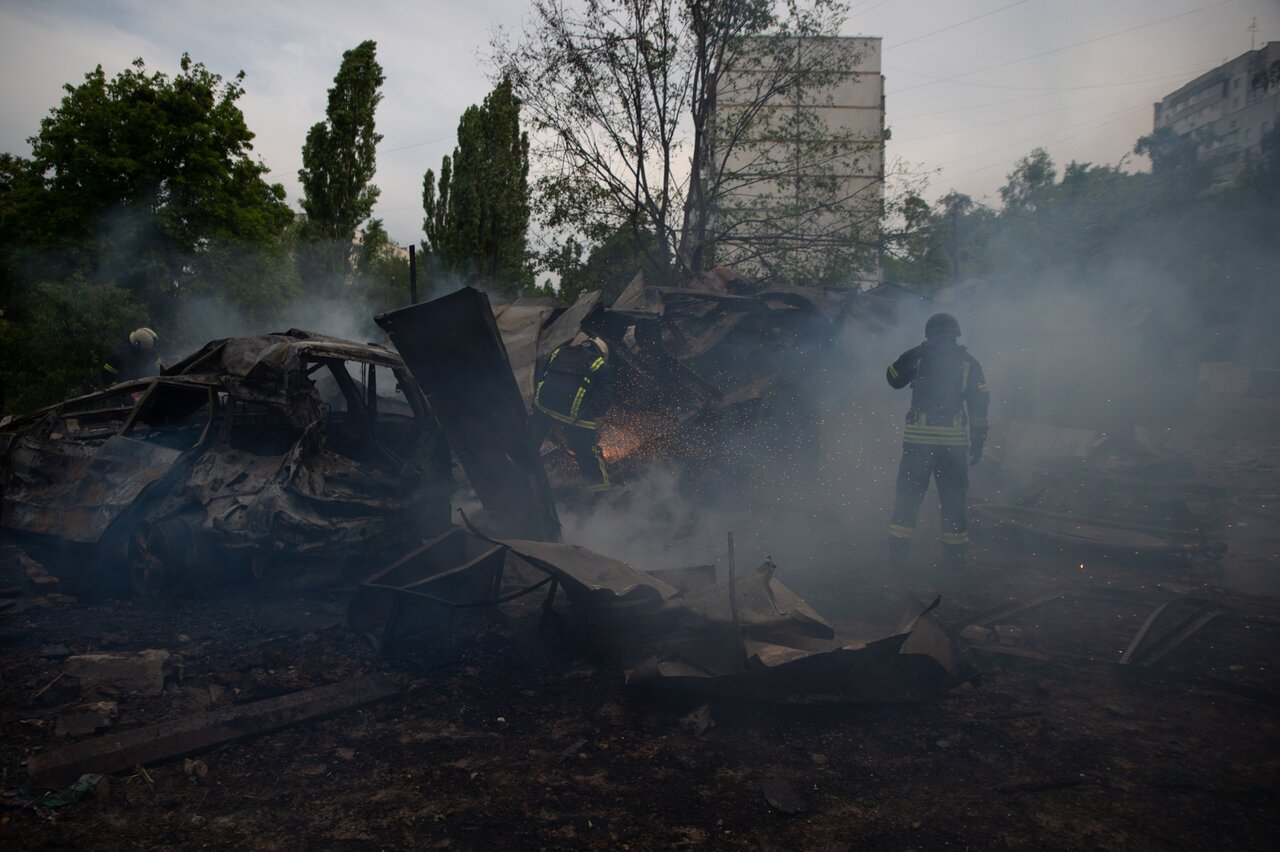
[942, 325]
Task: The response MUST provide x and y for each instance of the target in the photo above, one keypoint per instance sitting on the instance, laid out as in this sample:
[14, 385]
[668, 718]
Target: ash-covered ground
[525, 736]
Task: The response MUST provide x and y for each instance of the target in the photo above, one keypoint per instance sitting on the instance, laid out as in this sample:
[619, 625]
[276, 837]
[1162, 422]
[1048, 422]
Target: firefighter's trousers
[949, 465]
[581, 443]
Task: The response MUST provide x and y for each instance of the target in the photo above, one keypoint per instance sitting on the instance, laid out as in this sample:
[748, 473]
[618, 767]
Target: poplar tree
[338, 163]
[477, 210]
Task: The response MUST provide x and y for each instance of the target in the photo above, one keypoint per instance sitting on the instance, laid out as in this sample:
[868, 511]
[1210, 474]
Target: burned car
[281, 454]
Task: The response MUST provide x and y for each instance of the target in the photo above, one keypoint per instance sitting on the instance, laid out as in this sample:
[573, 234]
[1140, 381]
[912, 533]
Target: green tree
[382, 271]
[1030, 179]
[1175, 157]
[610, 265]
[338, 164]
[919, 255]
[1262, 176]
[65, 336]
[141, 174]
[140, 193]
[477, 211]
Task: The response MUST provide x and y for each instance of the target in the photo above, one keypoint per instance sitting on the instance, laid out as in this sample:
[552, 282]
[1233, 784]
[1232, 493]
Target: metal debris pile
[699, 367]
[676, 630]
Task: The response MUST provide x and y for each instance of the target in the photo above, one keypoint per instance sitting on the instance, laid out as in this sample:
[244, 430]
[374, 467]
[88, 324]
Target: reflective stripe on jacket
[949, 396]
[573, 385]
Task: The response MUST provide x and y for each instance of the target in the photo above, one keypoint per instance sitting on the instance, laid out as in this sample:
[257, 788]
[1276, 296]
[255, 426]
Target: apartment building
[1228, 110]
[813, 207]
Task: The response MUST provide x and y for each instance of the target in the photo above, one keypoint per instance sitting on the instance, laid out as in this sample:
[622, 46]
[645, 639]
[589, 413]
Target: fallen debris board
[169, 740]
[453, 348]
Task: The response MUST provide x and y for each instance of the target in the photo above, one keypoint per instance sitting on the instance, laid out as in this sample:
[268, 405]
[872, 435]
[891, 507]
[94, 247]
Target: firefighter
[575, 388]
[948, 416]
[135, 359]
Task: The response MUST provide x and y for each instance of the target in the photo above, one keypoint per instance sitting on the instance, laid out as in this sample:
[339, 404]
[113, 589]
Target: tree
[382, 272]
[65, 336]
[1262, 175]
[625, 95]
[338, 164]
[610, 265]
[477, 212]
[1030, 179]
[1174, 157]
[920, 254]
[141, 174]
[140, 193]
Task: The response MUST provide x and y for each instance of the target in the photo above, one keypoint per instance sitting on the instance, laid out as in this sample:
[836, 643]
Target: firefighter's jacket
[576, 386]
[127, 362]
[949, 395]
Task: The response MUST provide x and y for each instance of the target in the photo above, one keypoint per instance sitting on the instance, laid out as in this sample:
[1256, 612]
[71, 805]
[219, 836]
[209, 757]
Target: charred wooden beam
[168, 740]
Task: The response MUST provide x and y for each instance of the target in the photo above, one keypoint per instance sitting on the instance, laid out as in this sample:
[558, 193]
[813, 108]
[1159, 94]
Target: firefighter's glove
[975, 454]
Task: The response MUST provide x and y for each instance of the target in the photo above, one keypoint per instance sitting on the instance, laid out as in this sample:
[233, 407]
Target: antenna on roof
[1253, 34]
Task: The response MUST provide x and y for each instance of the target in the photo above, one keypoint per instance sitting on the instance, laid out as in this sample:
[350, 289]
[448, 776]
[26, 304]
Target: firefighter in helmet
[575, 388]
[135, 358]
[948, 417]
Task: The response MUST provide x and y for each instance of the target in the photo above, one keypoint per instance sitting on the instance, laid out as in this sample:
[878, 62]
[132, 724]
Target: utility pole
[413, 274]
[954, 216]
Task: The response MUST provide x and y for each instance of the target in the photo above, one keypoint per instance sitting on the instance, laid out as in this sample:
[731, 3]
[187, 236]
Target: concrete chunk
[142, 672]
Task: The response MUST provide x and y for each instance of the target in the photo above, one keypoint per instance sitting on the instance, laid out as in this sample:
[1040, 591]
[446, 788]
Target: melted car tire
[159, 556]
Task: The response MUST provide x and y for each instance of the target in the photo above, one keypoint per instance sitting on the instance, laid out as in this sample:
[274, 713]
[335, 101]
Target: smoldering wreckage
[298, 459]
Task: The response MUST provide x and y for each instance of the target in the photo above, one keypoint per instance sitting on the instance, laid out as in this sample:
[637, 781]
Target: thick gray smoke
[1109, 342]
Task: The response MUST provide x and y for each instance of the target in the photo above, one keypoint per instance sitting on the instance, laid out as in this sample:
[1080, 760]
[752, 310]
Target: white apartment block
[1228, 110]
[767, 178]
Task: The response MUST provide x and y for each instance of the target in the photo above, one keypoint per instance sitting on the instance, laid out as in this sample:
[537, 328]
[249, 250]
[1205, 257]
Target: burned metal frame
[420, 598]
[1158, 637]
[1145, 650]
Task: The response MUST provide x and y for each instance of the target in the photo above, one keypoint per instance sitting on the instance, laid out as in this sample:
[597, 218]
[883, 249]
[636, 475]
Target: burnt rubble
[475, 658]
[279, 454]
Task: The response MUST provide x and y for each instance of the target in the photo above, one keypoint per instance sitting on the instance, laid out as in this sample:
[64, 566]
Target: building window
[1239, 80]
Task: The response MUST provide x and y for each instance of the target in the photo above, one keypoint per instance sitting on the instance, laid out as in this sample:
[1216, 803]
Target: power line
[953, 26]
[1099, 121]
[999, 122]
[1004, 162]
[414, 145]
[877, 6]
[1112, 85]
[1196, 71]
[1093, 40]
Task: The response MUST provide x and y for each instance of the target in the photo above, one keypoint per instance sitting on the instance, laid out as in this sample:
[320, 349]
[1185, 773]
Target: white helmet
[143, 338]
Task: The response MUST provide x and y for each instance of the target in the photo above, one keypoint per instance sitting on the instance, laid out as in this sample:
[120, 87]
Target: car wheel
[159, 556]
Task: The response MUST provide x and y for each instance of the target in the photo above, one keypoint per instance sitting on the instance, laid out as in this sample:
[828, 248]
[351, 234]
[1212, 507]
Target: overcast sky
[964, 104]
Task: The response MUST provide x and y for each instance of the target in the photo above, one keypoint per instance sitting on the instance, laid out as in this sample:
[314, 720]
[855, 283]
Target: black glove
[975, 454]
